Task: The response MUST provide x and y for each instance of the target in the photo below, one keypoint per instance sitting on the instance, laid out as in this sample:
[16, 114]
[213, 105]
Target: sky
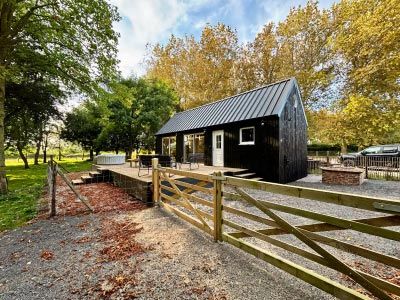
[153, 21]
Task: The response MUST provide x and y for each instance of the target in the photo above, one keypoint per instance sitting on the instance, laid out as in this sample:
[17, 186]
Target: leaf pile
[121, 285]
[103, 197]
[119, 237]
[47, 255]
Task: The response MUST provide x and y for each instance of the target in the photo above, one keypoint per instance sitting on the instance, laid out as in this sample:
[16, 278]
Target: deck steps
[257, 178]
[77, 181]
[87, 178]
[246, 175]
[94, 173]
[94, 176]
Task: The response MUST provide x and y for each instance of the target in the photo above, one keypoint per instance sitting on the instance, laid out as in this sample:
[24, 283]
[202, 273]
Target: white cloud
[144, 22]
[152, 21]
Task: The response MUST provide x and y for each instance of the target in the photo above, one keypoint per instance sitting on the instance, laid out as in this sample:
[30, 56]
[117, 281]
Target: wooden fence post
[217, 201]
[156, 181]
[53, 187]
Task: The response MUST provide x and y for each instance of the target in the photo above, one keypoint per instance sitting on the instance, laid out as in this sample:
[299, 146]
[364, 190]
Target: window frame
[169, 144]
[194, 135]
[241, 136]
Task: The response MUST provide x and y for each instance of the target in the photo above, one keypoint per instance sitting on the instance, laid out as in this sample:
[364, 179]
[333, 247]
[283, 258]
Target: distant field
[25, 188]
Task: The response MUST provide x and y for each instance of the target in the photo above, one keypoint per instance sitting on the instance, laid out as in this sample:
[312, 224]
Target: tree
[358, 120]
[304, 52]
[30, 105]
[125, 116]
[69, 40]
[366, 43]
[83, 125]
[262, 59]
[135, 110]
[201, 71]
[155, 103]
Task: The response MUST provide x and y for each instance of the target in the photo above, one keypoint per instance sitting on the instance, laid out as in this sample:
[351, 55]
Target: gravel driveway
[180, 262]
[63, 258]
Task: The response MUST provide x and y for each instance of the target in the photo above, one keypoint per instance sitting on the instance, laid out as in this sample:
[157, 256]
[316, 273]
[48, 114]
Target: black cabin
[263, 130]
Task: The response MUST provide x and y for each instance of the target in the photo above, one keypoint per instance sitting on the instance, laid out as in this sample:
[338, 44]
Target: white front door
[218, 148]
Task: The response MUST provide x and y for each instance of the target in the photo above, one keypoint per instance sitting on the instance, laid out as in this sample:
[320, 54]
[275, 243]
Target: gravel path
[181, 263]
[178, 261]
[371, 188]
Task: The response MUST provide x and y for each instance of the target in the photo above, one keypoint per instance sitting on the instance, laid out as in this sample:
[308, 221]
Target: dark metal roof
[261, 102]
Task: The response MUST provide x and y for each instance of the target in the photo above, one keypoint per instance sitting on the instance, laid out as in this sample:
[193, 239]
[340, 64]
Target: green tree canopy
[71, 41]
[124, 117]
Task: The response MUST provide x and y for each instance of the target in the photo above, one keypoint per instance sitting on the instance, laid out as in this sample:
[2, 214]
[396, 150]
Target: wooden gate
[200, 203]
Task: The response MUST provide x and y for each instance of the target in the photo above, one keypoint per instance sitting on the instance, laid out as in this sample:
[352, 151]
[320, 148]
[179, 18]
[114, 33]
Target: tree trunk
[45, 149]
[343, 149]
[91, 154]
[116, 151]
[22, 155]
[128, 154]
[3, 179]
[38, 146]
[59, 153]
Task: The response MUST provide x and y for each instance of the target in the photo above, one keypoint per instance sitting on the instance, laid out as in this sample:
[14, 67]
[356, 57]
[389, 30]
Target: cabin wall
[262, 157]
[158, 144]
[293, 141]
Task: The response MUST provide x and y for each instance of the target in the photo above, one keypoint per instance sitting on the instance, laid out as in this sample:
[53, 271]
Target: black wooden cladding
[279, 153]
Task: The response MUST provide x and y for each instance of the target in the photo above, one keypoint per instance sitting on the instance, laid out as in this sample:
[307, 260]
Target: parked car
[381, 155]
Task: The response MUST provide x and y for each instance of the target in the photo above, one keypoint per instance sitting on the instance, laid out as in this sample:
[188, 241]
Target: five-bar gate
[198, 199]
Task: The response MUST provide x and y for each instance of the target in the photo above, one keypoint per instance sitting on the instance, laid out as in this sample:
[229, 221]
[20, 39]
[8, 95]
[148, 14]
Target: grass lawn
[25, 188]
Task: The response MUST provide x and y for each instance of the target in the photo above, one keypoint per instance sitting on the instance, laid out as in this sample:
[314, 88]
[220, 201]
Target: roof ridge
[229, 97]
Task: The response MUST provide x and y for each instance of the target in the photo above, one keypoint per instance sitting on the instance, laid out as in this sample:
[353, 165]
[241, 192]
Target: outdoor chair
[193, 159]
[144, 163]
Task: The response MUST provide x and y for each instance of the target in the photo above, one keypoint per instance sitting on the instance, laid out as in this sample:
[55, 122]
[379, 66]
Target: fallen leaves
[120, 286]
[382, 271]
[84, 239]
[119, 237]
[47, 255]
[103, 197]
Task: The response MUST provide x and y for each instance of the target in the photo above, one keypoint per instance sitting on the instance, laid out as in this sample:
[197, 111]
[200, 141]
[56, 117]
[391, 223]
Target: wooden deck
[140, 187]
[132, 172]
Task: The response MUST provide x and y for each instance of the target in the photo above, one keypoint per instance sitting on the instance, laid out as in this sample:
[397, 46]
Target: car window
[372, 150]
[390, 149]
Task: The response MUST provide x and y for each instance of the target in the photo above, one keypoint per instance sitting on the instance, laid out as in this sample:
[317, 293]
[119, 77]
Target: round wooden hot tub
[110, 159]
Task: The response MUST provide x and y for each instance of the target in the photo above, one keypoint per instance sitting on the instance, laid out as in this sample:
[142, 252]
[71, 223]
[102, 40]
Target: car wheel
[348, 163]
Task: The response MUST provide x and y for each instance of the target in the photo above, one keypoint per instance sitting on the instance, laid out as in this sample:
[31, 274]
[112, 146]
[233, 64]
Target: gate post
[53, 177]
[156, 181]
[217, 202]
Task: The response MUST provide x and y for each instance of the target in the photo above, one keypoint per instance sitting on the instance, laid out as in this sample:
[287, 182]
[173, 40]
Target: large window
[194, 143]
[247, 136]
[169, 146]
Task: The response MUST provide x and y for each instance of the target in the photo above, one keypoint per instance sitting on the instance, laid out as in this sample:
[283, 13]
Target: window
[169, 146]
[247, 136]
[218, 141]
[199, 143]
[193, 143]
[372, 150]
[390, 149]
